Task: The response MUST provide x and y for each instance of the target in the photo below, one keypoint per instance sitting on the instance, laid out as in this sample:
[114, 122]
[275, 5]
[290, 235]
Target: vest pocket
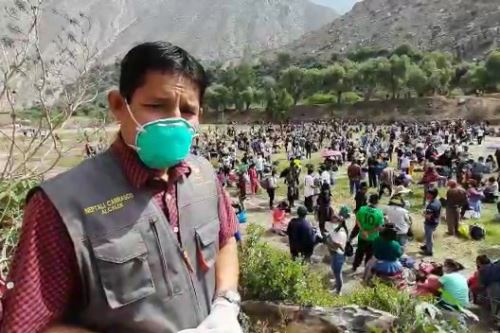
[123, 269]
[207, 237]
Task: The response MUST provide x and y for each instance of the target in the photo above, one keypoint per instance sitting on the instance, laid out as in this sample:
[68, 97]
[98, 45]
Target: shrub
[12, 197]
[320, 99]
[269, 274]
[351, 98]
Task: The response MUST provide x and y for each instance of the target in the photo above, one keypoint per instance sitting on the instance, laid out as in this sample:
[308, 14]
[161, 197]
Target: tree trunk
[339, 97]
[368, 94]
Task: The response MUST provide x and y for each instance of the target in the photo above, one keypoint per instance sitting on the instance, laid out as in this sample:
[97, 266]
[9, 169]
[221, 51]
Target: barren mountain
[210, 29]
[465, 27]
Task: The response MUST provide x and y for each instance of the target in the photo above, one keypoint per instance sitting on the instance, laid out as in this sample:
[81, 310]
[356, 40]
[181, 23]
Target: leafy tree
[393, 73]
[313, 81]
[292, 79]
[333, 77]
[267, 93]
[281, 104]
[438, 67]
[492, 66]
[417, 80]
[477, 78]
[248, 97]
[366, 78]
[366, 53]
[218, 97]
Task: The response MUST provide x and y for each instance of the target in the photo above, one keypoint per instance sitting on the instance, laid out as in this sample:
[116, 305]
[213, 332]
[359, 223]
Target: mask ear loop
[139, 127]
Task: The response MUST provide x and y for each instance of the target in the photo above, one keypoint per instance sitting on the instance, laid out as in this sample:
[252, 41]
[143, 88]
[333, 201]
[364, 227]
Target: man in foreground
[139, 238]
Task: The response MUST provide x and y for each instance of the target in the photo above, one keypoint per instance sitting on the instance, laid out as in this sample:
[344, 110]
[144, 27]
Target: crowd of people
[380, 161]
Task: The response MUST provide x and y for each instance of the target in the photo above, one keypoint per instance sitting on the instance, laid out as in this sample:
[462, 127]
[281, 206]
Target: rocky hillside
[210, 29]
[465, 27]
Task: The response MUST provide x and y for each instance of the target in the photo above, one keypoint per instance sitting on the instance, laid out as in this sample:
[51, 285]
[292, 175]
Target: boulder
[350, 318]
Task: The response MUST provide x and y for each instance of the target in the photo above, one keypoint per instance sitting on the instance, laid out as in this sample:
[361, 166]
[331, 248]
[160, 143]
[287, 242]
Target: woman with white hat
[398, 215]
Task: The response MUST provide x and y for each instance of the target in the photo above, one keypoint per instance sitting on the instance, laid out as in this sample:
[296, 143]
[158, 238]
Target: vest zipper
[188, 266]
[152, 222]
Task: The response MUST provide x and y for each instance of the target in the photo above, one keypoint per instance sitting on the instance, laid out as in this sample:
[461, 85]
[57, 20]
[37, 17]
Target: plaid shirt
[45, 272]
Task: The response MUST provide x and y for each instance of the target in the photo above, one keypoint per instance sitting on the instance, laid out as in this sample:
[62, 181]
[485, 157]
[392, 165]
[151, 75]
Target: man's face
[163, 95]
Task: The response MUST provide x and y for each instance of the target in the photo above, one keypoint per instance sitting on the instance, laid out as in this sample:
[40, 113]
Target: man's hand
[222, 319]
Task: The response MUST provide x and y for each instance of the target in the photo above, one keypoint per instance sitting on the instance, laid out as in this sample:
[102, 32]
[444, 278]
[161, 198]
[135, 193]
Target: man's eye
[154, 106]
[188, 111]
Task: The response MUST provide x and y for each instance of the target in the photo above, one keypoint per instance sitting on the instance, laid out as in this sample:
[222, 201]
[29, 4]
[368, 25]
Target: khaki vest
[132, 268]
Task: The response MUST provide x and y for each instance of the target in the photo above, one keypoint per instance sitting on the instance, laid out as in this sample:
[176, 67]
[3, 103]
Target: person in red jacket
[254, 179]
[429, 179]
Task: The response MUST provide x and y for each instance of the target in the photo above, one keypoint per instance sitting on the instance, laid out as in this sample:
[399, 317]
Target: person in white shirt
[309, 190]
[405, 163]
[272, 184]
[336, 241]
[259, 165]
[397, 215]
[326, 177]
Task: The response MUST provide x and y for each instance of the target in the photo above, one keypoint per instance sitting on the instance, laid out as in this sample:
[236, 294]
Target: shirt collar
[137, 173]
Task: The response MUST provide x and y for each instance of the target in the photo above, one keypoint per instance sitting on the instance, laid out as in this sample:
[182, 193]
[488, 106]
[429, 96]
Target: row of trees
[401, 73]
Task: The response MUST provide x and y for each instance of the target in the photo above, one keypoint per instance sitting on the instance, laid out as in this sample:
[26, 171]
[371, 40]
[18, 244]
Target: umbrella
[326, 153]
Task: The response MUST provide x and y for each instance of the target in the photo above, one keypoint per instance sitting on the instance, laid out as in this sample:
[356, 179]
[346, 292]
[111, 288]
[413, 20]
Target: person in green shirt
[454, 287]
[387, 251]
[370, 220]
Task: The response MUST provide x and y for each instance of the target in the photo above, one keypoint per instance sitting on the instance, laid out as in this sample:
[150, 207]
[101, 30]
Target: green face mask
[164, 143]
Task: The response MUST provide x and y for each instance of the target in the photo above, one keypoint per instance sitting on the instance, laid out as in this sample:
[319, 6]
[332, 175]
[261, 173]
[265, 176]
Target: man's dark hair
[433, 192]
[483, 259]
[373, 199]
[302, 211]
[162, 57]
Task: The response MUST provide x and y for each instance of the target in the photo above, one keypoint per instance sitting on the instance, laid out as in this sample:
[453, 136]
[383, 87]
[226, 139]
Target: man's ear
[116, 104]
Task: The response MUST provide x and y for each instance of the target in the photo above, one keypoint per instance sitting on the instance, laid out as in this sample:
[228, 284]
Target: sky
[341, 6]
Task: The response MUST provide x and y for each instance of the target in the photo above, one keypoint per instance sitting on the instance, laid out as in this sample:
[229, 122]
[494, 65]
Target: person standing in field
[456, 199]
[354, 174]
[370, 220]
[309, 186]
[432, 216]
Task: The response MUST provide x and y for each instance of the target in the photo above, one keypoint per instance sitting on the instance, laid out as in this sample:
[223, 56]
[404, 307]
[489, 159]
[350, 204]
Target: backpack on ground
[477, 232]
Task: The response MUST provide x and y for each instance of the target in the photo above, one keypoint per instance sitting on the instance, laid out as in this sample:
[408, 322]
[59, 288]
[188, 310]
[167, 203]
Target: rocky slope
[210, 29]
[465, 27]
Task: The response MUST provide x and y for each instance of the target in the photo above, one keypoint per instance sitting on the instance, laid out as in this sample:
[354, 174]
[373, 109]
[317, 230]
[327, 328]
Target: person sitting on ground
[473, 282]
[453, 286]
[301, 235]
[387, 251]
[428, 284]
[490, 164]
[491, 191]
[280, 218]
[475, 197]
